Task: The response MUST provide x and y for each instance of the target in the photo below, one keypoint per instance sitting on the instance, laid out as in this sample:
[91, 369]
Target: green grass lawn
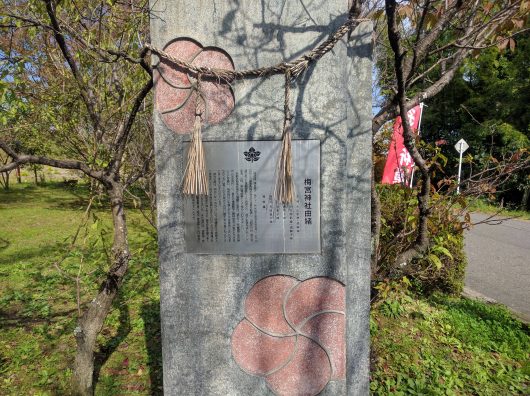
[38, 308]
[433, 346]
[447, 346]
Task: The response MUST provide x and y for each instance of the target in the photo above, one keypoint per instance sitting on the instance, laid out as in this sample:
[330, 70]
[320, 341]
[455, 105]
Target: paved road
[499, 262]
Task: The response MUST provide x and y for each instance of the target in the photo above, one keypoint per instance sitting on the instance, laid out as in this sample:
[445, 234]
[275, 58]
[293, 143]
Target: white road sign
[461, 146]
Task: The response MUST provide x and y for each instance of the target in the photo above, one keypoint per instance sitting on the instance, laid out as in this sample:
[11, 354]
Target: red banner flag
[399, 163]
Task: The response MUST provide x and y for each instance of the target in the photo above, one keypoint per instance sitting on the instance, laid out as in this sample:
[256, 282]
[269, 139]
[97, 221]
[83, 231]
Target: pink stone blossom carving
[175, 89]
[293, 334]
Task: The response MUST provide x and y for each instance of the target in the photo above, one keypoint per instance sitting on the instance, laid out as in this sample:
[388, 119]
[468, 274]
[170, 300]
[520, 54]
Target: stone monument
[261, 297]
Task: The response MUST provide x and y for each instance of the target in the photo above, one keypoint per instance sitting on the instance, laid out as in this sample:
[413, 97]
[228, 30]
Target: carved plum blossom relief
[176, 90]
[293, 334]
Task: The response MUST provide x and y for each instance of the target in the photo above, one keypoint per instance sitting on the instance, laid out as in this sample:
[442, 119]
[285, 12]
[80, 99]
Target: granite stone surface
[203, 296]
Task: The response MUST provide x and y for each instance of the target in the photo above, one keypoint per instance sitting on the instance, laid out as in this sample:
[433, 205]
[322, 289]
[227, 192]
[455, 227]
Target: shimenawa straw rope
[295, 67]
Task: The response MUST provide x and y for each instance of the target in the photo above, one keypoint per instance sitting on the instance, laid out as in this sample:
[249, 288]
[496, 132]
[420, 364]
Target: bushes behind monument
[442, 266]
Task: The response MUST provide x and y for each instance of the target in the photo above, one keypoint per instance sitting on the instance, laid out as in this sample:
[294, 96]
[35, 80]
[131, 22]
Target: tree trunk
[19, 178]
[422, 239]
[524, 200]
[35, 175]
[5, 180]
[91, 323]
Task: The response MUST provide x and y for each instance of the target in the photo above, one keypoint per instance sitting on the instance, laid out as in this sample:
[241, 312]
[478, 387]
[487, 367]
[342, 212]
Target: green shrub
[442, 266]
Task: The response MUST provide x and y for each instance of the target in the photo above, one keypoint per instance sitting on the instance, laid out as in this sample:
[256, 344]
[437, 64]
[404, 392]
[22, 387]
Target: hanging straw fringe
[195, 179]
[284, 190]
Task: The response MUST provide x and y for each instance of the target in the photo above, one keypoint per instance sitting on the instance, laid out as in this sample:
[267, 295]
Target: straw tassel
[195, 180]
[284, 190]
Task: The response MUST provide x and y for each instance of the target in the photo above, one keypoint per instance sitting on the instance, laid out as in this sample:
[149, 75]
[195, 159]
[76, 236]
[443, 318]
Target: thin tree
[422, 45]
[88, 99]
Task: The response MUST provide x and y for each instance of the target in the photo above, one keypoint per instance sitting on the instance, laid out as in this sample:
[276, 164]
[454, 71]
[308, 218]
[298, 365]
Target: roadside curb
[475, 295]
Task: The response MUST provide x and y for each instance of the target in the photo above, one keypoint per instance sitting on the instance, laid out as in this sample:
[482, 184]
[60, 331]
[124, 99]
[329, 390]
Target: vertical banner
[399, 165]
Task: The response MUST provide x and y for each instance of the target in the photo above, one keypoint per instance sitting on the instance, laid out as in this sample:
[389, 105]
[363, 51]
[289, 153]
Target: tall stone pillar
[241, 316]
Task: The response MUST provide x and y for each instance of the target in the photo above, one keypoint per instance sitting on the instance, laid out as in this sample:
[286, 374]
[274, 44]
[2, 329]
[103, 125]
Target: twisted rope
[295, 67]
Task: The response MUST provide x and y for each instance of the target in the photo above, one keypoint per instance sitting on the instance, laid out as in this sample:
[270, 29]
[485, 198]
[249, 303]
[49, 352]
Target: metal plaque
[240, 214]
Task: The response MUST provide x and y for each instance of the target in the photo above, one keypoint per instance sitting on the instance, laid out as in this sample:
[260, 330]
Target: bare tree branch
[133, 178]
[56, 163]
[473, 35]
[421, 47]
[84, 90]
[125, 129]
